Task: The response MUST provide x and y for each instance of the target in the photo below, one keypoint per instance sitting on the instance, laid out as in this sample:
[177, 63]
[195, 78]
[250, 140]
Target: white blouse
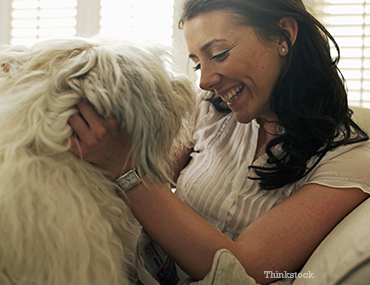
[215, 184]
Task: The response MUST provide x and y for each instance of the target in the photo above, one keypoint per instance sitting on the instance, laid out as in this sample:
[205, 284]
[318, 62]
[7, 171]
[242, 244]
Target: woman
[276, 161]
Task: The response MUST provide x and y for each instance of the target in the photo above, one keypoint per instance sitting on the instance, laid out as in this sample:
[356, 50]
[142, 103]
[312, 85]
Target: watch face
[129, 180]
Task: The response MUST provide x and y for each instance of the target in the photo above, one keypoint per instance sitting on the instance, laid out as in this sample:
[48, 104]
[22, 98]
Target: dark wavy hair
[309, 97]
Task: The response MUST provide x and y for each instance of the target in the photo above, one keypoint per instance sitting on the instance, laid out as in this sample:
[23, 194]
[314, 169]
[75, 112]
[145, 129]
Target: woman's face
[235, 63]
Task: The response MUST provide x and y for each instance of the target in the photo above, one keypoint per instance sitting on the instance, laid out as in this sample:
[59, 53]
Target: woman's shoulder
[359, 151]
[345, 166]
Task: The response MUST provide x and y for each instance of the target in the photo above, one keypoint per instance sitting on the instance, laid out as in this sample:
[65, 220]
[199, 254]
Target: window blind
[35, 20]
[349, 22]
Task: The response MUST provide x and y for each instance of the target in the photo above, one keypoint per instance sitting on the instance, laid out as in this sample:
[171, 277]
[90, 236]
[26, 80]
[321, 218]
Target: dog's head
[40, 86]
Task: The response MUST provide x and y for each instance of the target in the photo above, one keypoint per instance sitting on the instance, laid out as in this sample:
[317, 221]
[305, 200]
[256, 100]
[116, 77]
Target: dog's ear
[183, 86]
[185, 96]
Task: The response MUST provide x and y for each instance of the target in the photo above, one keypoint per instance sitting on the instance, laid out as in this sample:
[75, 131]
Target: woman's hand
[101, 141]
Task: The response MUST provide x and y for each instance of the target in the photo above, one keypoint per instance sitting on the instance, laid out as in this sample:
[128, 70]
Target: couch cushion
[344, 253]
[362, 117]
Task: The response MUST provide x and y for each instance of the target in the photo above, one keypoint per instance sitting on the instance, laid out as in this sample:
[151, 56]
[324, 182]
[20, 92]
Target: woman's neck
[268, 130]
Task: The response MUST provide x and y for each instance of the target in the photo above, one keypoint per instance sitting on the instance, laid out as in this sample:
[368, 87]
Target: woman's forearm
[280, 240]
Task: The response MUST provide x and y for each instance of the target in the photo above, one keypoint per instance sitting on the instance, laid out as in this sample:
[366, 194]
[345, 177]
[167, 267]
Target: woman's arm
[280, 240]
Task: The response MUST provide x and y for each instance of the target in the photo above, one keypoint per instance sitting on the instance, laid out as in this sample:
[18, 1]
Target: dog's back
[61, 221]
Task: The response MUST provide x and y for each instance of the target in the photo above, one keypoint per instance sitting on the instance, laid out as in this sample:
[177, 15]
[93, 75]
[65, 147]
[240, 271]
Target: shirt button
[232, 195]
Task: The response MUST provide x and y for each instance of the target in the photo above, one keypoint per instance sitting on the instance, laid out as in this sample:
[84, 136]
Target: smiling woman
[222, 49]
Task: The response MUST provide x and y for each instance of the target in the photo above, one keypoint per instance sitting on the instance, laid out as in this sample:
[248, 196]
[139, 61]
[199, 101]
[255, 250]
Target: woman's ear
[290, 26]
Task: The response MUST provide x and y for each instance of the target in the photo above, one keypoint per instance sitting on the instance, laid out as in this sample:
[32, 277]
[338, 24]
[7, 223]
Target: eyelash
[221, 56]
[197, 67]
[217, 57]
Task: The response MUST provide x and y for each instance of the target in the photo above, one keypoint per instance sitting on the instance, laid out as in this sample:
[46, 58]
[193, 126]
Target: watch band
[128, 180]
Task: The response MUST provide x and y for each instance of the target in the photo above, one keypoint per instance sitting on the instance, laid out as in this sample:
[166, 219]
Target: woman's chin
[242, 118]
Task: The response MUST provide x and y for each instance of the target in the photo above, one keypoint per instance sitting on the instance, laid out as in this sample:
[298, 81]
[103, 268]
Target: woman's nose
[209, 79]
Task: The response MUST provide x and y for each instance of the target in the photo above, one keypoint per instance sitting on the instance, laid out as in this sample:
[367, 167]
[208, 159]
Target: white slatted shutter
[34, 20]
[349, 22]
[43, 19]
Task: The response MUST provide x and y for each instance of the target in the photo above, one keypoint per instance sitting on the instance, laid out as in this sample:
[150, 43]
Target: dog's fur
[61, 221]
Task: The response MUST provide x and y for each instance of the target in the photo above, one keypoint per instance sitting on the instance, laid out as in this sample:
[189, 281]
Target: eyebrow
[207, 45]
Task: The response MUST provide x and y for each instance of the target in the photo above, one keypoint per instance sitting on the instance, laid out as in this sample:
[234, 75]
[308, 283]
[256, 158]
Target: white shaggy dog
[61, 221]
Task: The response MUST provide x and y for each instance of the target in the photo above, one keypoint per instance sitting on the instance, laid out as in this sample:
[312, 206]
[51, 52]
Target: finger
[75, 146]
[89, 114]
[79, 126]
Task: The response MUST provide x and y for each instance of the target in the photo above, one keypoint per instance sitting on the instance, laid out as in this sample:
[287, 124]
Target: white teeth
[232, 94]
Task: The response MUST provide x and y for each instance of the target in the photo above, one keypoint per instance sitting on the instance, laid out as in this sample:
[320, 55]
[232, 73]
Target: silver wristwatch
[128, 180]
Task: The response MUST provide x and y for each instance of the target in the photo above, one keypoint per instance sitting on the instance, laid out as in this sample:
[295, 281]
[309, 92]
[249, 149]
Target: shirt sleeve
[345, 167]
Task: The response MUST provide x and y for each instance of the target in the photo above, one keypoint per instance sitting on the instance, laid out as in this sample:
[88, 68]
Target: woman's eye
[220, 56]
[197, 67]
